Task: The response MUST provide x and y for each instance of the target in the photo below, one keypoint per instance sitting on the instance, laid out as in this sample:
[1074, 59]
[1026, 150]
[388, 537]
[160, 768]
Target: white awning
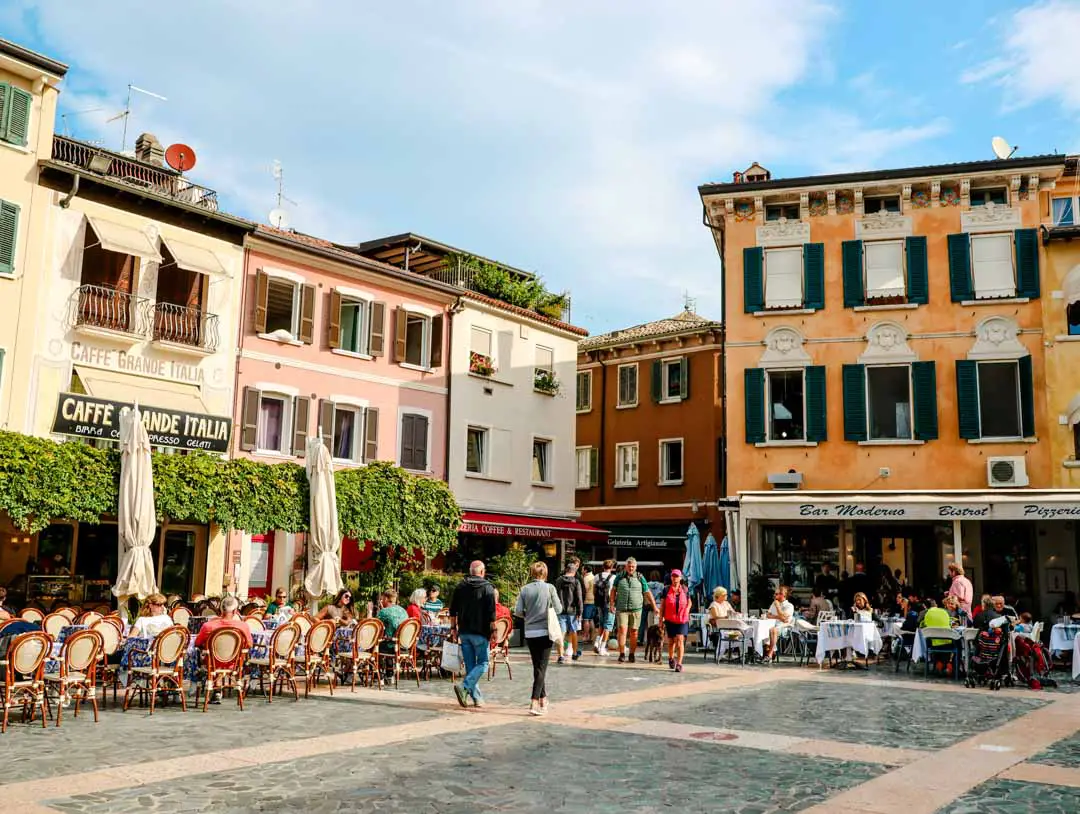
[115, 237]
[123, 387]
[193, 258]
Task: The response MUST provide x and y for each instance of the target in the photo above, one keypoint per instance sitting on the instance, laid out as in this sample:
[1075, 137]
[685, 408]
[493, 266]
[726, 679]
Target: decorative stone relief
[887, 342]
[905, 198]
[1032, 189]
[729, 207]
[920, 199]
[783, 232]
[819, 205]
[744, 211]
[883, 224]
[831, 195]
[1014, 186]
[935, 193]
[804, 205]
[965, 193]
[997, 338]
[759, 207]
[784, 348]
[950, 195]
[990, 218]
[845, 203]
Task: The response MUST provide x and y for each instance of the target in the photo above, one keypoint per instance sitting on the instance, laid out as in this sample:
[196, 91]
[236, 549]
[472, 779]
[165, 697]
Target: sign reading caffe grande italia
[137, 364]
[88, 417]
[893, 511]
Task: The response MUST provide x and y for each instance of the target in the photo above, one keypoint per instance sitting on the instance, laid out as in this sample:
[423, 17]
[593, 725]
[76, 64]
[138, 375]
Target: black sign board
[88, 417]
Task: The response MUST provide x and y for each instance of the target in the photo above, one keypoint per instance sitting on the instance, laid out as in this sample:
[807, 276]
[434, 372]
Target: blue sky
[565, 138]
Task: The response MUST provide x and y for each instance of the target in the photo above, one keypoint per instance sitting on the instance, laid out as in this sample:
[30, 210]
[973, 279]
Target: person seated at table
[936, 617]
[720, 607]
[391, 614]
[818, 603]
[957, 617]
[153, 619]
[984, 603]
[1024, 625]
[281, 601]
[929, 604]
[914, 615]
[501, 611]
[784, 613]
[341, 609]
[433, 605]
[861, 610]
[995, 610]
[415, 608]
[230, 617]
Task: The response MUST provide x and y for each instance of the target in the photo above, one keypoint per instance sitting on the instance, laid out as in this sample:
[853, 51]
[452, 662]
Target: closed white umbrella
[324, 541]
[136, 518]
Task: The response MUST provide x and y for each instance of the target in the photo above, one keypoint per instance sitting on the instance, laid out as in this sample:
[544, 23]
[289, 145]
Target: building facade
[650, 436]
[887, 375]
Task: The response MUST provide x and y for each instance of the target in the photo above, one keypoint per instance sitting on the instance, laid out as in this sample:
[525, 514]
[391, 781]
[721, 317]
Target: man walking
[472, 617]
[628, 596]
[602, 598]
[573, 605]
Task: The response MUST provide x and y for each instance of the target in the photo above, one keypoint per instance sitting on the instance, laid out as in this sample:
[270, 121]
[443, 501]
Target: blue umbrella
[692, 561]
[710, 567]
[725, 568]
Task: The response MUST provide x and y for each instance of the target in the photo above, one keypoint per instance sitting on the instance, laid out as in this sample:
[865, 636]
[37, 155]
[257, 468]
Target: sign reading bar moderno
[88, 417]
[894, 511]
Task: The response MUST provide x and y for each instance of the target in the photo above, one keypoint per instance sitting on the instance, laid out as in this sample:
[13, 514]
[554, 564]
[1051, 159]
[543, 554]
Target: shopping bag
[554, 628]
[451, 657]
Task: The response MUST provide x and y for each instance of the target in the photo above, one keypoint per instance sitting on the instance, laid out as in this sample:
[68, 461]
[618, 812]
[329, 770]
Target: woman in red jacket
[675, 606]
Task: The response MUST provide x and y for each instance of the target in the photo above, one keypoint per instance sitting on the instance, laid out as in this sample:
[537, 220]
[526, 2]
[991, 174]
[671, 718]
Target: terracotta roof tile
[684, 322]
[525, 312]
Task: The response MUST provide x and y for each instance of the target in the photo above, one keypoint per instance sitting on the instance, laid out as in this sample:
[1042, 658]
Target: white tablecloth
[862, 637]
[1062, 637]
[757, 633]
[918, 648]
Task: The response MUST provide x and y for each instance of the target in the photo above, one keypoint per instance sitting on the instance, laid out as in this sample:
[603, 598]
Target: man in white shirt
[783, 612]
[154, 618]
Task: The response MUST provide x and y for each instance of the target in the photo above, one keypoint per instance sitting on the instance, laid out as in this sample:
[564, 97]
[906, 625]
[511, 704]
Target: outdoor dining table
[433, 636]
[757, 633]
[844, 634]
[52, 663]
[918, 647]
[1062, 637]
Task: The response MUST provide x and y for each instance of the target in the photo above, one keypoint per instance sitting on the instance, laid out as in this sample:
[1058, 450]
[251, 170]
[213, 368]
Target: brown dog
[654, 644]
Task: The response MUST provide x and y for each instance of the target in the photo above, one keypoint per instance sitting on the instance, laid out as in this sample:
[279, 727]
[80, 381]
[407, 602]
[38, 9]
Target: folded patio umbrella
[136, 517]
[692, 561]
[324, 541]
[710, 567]
[726, 576]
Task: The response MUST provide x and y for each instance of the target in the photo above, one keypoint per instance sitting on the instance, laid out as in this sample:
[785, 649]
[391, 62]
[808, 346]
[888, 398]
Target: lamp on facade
[550, 549]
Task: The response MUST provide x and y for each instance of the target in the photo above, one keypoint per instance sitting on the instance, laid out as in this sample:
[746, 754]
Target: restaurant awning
[123, 387]
[518, 525]
[116, 237]
[193, 258]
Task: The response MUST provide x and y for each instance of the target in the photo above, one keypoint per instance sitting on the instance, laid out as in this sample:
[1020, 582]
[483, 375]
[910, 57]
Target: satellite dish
[1001, 147]
[278, 218]
[180, 157]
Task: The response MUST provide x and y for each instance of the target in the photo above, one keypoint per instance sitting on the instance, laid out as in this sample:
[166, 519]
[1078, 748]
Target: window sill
[8, 275]
[669, 483]
[671, 401]
[626, 406]
[426, 472]
[1003, 440]
[580, 488]
[16, 147]
[891, 442]
[785, 312]
[352, 354]
[1069, 338]
[897, 306]
[281, 341]
[542, 485]
[1071, 464]
[588, 409]
[998, 301]
[482, 476]
[626, 485]
[786, 444]
[272, 453]
[180, 347]
[347, 462]
[547, 393]
[421, 368]
[491, 379]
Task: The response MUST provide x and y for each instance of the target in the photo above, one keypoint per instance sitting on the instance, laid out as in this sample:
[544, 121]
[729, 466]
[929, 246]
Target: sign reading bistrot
[88, 417]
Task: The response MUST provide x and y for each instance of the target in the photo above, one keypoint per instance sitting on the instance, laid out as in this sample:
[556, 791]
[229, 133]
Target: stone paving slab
[1063, 753]
[1014, 797]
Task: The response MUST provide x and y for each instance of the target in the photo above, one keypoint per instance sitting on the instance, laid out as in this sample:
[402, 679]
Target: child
[1025, 626]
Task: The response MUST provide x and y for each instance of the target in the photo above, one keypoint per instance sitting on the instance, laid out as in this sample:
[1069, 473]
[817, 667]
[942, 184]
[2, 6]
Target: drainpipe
[723, 354]
[455, 309]
[66, 200]
[603, 424]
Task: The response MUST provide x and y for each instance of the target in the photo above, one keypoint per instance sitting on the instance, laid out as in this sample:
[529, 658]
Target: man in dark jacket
[573, 605]
[472, 617]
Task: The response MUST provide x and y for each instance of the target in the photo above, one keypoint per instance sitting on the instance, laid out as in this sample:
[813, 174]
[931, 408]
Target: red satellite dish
[180, 157]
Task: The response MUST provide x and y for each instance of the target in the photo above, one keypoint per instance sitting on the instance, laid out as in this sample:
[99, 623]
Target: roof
[428, 257]
[997, 164]
[524, 312]
[39, 61]
[684, 322]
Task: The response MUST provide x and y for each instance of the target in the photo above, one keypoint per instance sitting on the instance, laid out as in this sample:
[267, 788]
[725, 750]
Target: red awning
[518, 525]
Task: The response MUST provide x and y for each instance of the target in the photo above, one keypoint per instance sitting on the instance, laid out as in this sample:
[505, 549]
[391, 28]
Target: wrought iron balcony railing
[185, 326]
[97, 306]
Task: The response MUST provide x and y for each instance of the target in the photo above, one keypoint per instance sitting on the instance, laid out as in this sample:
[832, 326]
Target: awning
[123, 387]
[193, 258]
[115, 237]
[518, 525]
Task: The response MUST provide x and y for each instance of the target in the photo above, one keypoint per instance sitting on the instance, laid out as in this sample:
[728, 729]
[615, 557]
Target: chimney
[149, 149]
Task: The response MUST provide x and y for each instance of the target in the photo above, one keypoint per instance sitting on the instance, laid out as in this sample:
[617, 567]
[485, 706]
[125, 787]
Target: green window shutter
[754, 379]
[684, 374]
[1027, 396]
[924, 400]
[854, 380]
[594, 466]
[854, 292]
[1027, 262]
[753, 260]
[9, 227]
[813, 275]
[816, 413]
[18, 116]
[5, 96]
[967, 398]
[960, 284]
[657, 382]
[918, 277]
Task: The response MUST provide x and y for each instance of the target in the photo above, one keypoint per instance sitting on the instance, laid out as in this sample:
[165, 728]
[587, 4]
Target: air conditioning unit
[786, 480]
[1002, 472]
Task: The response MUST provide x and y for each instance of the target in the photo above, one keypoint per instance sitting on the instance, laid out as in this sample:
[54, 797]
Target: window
[414, 442]
[627, 395]
[1063, 212]
[347, 444]
[480, 341]
[282, 306]
[888, 394]
[15, 106]
[476, 450]
[672, 380]
[671, 462]
[995, 195]
[584, 391]
[992, 266]
[541, 460]
[355, 319]
[583, 459]
[416, 333]
[885, 203]
[108, 281]
[626, 464]
[1072, 316]
[9, 228]
[782, 211]
[786, 405]
[884, 269]
[784, 278]
[272, 433]
[999, 400]
[545, 358]
[418, 339]
[1076, 441]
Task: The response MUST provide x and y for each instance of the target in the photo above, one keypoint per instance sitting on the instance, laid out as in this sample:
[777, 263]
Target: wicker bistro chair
[404, 654]
[225, 656]
[255, 624]
[24, 675]
[32, 614]
[304, 622]
[54, 623]
[108, 672]
[77, 678]
[732, 637]
[500, 649]
[88, 618]
[68, 613]
[318, 655]
[364, 656]
[279, 663]
[166, 667]
[180, 614]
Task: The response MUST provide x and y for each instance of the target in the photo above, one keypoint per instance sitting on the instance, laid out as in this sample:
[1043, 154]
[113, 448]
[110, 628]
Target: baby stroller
[1032, 663]
[990, 662]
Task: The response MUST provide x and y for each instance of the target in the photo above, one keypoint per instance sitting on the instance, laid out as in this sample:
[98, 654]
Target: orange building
[649, 437]
[886, 375]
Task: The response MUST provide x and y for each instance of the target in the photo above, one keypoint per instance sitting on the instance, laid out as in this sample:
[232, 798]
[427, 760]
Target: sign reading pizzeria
[88, 417]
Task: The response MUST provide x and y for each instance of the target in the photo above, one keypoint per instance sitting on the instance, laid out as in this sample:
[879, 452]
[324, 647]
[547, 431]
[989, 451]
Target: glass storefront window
[98, 551]
[796, 553]
[179, 561]
[55, 549]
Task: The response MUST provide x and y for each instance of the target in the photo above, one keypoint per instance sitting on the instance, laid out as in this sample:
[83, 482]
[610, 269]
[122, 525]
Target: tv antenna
[689, 303]
[1001, 148]
[73, 113]
[279, 216]
[125, 114]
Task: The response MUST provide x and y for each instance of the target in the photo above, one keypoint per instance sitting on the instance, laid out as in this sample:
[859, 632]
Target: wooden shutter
[753, 279]
[854, 385]
[408, 441]
[262, 290]
[18, 116]
[249, 419]
[333, 320]
[814, 275]
[960, 284]
[326, 424]
[399, 335]
[684, 377]
[436, 341]
[9, 228]
[851, 253]
[754, 383]
[656, 383]
[594, 466]
[420, 437]
[967, 398]
[5, 94]
[816, 404]
[924, 400]
[307, 314]
[301, 419]
[1027, 262]
[918, 277]
[377, 337]
[1027, 396]
[371, 434]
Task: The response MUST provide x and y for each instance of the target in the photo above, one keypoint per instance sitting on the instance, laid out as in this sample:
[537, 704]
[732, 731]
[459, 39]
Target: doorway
[1008, 559]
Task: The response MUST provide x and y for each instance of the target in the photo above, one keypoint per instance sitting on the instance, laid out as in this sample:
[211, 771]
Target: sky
[565, 138]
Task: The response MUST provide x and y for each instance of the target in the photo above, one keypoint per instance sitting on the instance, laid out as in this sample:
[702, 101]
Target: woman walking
[532, 604]
[675, 606]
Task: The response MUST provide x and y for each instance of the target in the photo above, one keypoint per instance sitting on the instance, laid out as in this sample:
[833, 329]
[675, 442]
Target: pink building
[337, 344]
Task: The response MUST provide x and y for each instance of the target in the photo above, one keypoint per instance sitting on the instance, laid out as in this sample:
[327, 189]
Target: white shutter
[582, 467]
[784, 278]
[884, 269]
[480, 341]
[992, 262]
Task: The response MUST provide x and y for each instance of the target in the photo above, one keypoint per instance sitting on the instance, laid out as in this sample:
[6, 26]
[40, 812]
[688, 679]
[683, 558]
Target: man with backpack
[629, 593]
[605, 618]
[573, 605]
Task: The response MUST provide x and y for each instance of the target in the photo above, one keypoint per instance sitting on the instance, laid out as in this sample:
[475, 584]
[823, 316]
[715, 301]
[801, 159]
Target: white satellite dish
[278, 218]
[1002, 149]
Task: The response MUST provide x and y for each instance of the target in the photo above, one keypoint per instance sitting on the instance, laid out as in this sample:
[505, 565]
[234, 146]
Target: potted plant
[480, 364]
[545, 381]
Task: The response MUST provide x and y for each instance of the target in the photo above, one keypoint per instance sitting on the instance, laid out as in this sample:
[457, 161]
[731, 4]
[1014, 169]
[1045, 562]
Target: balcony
[184, 328]
[103, 311]
[157, 180]
[480, 280]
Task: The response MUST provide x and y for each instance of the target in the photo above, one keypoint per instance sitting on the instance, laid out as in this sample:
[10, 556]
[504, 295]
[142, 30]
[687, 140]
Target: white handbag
[451, 657]
[554, 628]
